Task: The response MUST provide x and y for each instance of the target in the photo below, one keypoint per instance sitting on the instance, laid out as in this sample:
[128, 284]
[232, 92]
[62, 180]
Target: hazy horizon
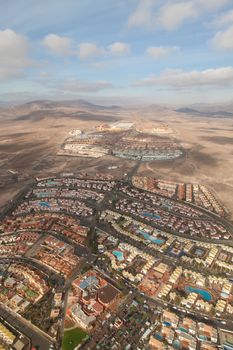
[151, 51]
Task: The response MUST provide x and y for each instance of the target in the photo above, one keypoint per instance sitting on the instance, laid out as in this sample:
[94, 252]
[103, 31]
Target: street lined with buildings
[76, 253]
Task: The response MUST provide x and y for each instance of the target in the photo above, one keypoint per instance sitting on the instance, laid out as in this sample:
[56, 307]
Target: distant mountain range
[84, 110]
[195, 112]
[77, 109]
[47, 104]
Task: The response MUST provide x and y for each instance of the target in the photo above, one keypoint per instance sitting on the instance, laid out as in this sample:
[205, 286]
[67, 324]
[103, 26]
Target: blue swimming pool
[45, 204]
[224, 295]
[119, 255]
[158, 336]
[148, 237]
[150, 215]
[202, 292]
[176, 344]
[199, 252]
[202, 337]
[43, 195]
[182, 329]
[51, 183]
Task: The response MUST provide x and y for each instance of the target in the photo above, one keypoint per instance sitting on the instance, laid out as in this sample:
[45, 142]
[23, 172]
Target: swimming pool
[224, 295]
[148, 237]
[199, 252]
[45, 204]
[182, 329]
[150, 215]
[202, 337]
[43, 195]
[119, 255]
[52, 183]
[202, 292]
[158, 336]
[176, 344]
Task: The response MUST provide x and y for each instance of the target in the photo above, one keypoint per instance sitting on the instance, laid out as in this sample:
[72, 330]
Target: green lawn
[72, 338]
[31, 294]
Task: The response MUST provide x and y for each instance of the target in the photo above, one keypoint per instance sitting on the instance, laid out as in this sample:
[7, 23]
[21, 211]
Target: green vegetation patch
[73, 338]
[4, 291]
[31, 294]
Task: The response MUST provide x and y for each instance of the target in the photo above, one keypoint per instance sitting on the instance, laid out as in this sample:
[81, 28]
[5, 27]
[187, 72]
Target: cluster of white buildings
[132, 253]
[212, 258]
[51, 204]
[209, 259]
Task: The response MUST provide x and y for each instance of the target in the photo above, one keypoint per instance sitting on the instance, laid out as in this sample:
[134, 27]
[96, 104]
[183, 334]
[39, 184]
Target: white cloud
[223, 20]
[119, 49]
[172, 15]
[57, 44]
[76, 85]
[102, 64]
[224, 39]
[62, 46]
[90, 50]
[180, 79]
[143, 14]
[160, 51]
[14, 50]
[211, 5]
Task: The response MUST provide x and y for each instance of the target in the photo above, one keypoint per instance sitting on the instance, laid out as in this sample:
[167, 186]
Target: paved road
[211, 214]
[133, 171]
[200, 317]
[37, 337]
[166, 259]
[196, 316]
[41, 339]
[175, 233]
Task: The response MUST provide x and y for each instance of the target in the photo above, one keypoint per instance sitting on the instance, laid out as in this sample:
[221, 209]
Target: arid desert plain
[31, 136]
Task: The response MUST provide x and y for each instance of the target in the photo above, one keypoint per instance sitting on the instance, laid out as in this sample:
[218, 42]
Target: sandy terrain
[30, 137]
[209, 159]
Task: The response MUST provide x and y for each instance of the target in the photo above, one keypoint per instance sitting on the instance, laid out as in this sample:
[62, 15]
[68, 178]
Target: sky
[152, 51]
